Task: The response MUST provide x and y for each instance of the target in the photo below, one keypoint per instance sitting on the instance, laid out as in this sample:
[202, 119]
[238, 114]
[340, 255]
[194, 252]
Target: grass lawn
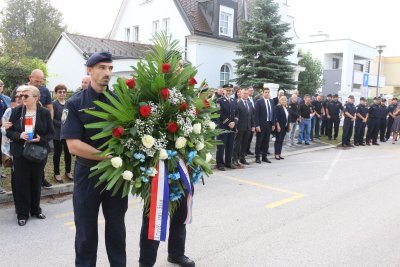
[333, 142]
[49, 172]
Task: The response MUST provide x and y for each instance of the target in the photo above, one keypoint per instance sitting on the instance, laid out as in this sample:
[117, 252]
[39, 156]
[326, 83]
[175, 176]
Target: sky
[369, 22]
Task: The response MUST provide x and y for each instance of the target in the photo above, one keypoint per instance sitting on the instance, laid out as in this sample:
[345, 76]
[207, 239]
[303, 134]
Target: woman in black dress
[281, 125]
[59, 145]
[30, 123]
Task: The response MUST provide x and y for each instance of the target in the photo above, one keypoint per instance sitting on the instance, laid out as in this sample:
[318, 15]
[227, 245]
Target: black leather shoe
[142, 265]
[221, 168]
[375, 144]
[230, 166]
[22, 222]
[243, 161]
[362, 144]
[258, 161]
[181, 261]
[266, 160]
[39, 216]
[268, 153]
[281, 157]
[249, 153]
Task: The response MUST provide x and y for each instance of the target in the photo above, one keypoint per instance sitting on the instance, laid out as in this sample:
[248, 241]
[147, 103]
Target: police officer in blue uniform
[227, 121]
[391, 109]
[361, 122]
[86, 198]
[374, 113]
[384, 111]
[349, 118]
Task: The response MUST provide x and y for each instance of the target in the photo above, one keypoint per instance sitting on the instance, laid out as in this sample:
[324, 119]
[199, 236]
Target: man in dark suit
[264, 122]
[226, 121]
[253, 105]
[244, 127]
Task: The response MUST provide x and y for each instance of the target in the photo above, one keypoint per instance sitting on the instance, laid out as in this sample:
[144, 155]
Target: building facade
[390, 69]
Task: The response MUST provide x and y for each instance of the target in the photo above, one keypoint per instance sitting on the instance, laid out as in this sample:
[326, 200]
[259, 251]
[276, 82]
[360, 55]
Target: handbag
[6, 160]
[34, 152]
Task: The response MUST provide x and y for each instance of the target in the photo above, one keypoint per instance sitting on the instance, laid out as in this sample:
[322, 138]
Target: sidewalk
[287, 151]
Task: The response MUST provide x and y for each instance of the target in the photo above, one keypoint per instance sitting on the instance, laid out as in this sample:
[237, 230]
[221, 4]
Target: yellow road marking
[295, 196]
[72, 227]
[63, 215]
[69, 223]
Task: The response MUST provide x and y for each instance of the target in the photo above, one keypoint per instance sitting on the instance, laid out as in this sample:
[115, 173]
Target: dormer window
[127, 34]
[226, 15]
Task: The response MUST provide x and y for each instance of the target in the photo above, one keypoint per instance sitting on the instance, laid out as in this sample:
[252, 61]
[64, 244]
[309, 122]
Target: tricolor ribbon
[183, 171]
[159, 204]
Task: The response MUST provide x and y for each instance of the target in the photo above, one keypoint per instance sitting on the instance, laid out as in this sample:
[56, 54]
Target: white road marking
[333, 165]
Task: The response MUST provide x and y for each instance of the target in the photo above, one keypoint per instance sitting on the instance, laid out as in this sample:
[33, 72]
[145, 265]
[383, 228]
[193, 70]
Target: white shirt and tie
[269, 109]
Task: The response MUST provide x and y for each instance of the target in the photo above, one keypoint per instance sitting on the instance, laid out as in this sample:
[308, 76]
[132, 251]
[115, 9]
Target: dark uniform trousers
[226, 148]
[382, 129]
[389, 127]
[347, 131]
[262, 141]
[373, 129]
[27, 177]
[176, 238]
[359, 132]
[323, 125]
[241, 144]
[333, 122]
[87, 200]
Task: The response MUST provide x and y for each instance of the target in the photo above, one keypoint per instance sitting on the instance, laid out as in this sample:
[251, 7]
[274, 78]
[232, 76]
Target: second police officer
[373, 122]
[349, 118]
[361, 122]
[86, 197]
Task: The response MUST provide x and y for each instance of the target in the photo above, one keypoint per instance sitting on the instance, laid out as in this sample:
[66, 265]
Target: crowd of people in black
[244, 115]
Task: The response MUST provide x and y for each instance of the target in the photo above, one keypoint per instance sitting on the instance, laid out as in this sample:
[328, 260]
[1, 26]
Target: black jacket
[245, 116]
[280, 117]
[294, 112]
[43, 127]
[261, 113]
[58, 109]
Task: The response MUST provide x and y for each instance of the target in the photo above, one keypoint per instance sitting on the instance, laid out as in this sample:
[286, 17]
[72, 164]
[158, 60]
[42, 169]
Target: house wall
[142, 14]
[122, 68]
[209, 55]
[66, 66]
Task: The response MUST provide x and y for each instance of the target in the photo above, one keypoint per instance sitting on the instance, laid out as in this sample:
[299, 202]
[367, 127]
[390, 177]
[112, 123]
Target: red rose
[183, 106]
[145, 111]
[206, 103]
[165, 68]
[117, 132]
[197, 112]
[192, 81]
[130, 83]
[164, 93]
[172, 127]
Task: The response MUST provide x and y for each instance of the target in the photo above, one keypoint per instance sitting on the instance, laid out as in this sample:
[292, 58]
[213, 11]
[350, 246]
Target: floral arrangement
[156, 117]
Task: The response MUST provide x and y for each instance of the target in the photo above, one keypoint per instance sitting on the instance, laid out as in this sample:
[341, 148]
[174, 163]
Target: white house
[346, 65]
[207, 31]
[66, 61]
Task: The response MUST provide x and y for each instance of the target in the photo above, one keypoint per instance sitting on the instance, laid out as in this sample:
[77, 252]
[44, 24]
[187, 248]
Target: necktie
[246, 105]
[268, 111]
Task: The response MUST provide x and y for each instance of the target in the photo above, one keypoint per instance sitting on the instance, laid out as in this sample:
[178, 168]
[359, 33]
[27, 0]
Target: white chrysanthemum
[180, 142]
[197, 128]
[127, 175]
[208, 157]
[148, 141]
[116, 162]
[163, 154]
[211, 125]
[199, 146]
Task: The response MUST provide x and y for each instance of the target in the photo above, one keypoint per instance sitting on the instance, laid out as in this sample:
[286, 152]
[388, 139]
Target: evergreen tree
[264, 48]
[35, 23]
[310, 80]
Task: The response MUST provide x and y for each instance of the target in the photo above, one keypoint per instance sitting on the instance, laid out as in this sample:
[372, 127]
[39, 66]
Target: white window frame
[224, 75]
[226, 15]
[127, 34]
[166, 25]
[156, 26]
[135, 33]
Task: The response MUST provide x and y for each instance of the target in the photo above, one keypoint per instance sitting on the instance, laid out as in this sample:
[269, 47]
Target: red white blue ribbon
[159, 204]
[183, 171]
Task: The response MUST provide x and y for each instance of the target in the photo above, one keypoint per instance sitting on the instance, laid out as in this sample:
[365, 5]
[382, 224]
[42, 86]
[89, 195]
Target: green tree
[310, 80]
[264, 47]
[35, 23]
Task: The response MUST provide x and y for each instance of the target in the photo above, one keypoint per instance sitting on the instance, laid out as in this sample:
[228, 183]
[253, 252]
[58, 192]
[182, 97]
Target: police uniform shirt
[362, 110]
[306, 110]
[374, 111]
[384, 111]
[227, 111]
[350, 108]
[74, 116]
[334, 108]
[317, 106]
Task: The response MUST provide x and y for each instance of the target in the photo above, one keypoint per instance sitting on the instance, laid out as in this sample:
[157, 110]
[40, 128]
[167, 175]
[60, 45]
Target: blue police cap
[98, 57]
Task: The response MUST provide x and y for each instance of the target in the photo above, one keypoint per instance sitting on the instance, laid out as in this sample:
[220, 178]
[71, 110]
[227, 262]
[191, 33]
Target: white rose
[148, 141]
[116, 162]
[163, 154]
[208, 157]
[197, 128]
[212, 125]
[127, 175]
[153, 172]
[180, 142]
[199, 146]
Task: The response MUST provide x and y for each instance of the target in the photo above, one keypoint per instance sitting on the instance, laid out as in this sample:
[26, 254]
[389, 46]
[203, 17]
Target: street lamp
[380, 50]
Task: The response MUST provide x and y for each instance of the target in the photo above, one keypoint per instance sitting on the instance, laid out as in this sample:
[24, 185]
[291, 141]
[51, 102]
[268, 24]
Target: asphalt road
[326, 208]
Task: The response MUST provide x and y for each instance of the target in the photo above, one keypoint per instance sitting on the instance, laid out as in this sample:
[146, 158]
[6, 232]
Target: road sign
[365, 80]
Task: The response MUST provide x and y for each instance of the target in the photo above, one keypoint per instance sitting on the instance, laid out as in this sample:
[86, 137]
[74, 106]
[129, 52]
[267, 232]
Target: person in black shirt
[361, 122]
[334, 113]
[294, 117]
[316, 120]
[324, 120]
[373, 122]
[391, 109]
[306, 113]
[382, 121]
[349, 118]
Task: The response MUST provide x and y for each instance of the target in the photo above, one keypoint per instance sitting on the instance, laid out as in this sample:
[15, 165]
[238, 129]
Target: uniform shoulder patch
[64, 115]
